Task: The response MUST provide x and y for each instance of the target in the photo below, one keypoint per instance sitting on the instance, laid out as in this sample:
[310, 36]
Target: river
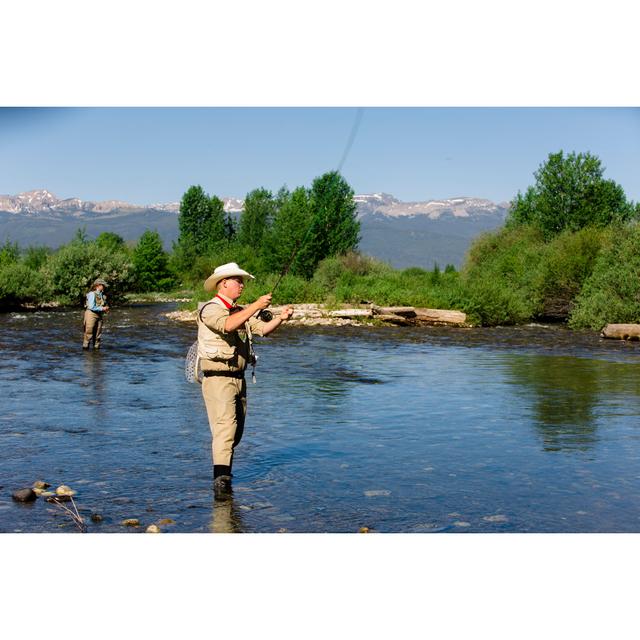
[392, 429]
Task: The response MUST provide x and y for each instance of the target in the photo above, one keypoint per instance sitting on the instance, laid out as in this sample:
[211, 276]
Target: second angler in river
[225, 350]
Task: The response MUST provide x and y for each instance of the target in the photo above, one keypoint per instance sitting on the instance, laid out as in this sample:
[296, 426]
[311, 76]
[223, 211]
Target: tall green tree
[570, 193]
[201, 224]
[335, 228]
[290, 224]
[259, 211]
[150, 262]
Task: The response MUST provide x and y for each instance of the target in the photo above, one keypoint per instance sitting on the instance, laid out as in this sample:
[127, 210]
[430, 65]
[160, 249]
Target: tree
[201, 223]
[150, 262]
[110, 240]
[570, 193]
[259, 211]
[287, 232]
[334, 228]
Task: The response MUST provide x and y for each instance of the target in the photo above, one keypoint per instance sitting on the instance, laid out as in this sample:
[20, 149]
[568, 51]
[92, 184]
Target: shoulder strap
[206, 304]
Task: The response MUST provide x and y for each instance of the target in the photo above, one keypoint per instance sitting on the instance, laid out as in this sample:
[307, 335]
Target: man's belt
[224, 374]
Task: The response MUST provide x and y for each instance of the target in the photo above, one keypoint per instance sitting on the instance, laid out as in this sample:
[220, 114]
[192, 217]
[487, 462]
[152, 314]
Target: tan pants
[92, 329]
[226, 402]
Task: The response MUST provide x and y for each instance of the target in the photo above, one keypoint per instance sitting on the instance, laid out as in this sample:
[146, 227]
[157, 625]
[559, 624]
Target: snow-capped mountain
[402, 233]
[41, 202]
[462, 207]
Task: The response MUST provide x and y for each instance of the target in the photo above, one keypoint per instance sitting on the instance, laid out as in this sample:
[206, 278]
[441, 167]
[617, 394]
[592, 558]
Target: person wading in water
[95, 308]
[224, 350]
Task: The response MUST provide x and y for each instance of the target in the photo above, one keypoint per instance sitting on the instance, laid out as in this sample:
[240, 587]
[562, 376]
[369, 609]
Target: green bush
[36, 257]
[19, 284]
[74, 267]
[567, 262]
[611, 294]
[9, 253]
[502, 277]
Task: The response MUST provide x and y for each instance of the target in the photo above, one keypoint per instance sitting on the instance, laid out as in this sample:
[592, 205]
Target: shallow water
[530, 429]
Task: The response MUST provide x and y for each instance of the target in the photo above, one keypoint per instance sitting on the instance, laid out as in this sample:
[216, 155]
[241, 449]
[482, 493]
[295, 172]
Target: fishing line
[265, 314]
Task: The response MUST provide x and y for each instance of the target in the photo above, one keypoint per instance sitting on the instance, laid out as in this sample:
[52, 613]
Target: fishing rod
[265, 315]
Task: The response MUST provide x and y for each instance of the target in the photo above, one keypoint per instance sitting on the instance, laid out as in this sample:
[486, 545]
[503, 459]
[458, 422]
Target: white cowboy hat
[229, 270]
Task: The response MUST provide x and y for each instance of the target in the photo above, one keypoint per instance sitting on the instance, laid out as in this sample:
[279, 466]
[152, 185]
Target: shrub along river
[527, 429]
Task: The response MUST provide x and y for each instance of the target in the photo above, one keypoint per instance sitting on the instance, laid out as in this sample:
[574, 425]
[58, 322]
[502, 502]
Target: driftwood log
[441, 316]
[318, 314]
[406, 312]
[622, 331]
[351, 313]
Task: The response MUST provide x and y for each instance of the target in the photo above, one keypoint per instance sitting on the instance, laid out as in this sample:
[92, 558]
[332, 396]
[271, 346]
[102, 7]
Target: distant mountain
[401, 233]
[421, 234]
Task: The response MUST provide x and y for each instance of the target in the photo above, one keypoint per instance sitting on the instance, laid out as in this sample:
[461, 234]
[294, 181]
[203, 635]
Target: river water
[396, 429]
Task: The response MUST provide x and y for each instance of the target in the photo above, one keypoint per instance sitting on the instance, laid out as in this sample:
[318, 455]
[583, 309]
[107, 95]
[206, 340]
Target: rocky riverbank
[317, 314]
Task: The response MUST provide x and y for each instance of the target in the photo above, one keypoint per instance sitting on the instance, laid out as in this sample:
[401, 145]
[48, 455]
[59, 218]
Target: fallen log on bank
[441, 316]
[316, 314]
[621, 331]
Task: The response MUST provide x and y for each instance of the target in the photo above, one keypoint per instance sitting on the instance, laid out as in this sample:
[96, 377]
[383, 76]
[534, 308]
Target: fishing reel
[265, 315]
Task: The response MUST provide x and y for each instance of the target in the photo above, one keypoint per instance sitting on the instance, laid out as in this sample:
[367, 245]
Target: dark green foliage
[150, 262]
[203, 225]
[259, 211]
[334, 228]
[566, 263]
[612, 292]
[111, 241]
[570, 193]
[289, 228]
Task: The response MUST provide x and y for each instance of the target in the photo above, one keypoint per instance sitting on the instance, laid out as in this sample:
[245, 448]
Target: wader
[223, 359]
[92, 328]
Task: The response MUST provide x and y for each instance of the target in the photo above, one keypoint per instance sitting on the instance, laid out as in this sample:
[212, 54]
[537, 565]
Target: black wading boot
[222, 487]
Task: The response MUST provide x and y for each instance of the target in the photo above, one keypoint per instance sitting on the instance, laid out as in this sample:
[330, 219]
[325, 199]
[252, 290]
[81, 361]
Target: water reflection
[226, 516]
[94, 379]
[567, 393]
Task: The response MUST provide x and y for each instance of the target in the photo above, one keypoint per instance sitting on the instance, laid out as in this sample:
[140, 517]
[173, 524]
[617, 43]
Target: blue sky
[149, 155]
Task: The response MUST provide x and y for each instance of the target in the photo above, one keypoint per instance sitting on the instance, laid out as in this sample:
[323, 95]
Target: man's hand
[286, 313]
[262, 302]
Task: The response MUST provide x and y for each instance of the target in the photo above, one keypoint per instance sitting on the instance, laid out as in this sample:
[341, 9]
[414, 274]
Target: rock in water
[96, 517]
[24, 495]
[153, 528]
[63, 490]
[131, 522]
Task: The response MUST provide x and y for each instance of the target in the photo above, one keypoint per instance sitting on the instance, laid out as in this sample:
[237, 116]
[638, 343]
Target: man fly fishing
[225, 349]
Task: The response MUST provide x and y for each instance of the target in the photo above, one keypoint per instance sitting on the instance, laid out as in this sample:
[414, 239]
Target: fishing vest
[224, 348]
[101, 300]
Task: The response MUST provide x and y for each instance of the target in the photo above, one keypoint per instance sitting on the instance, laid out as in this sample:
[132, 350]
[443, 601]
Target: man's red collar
[225, 303]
